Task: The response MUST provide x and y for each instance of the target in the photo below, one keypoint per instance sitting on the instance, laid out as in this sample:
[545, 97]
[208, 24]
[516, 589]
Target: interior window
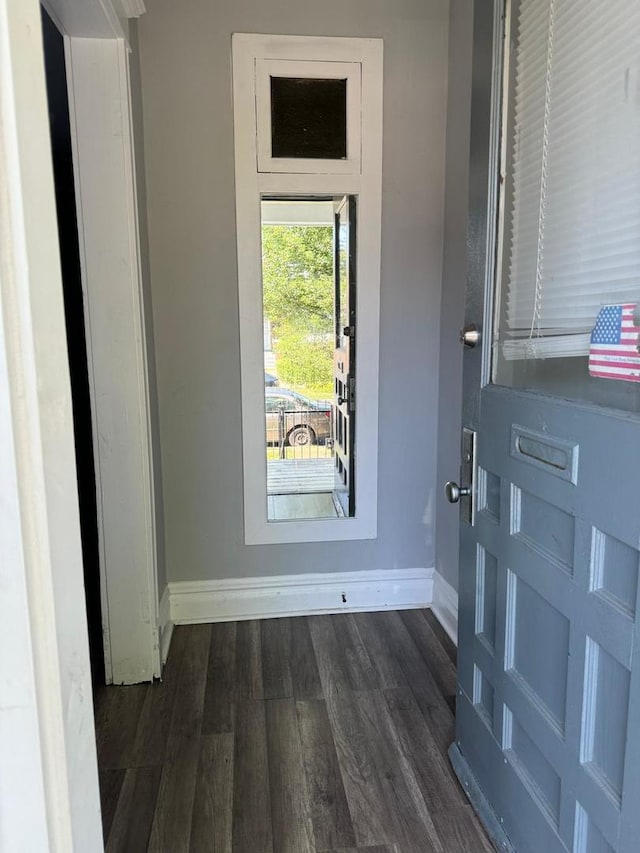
[568, 314]
[308, 118]
[308, 281]
[308, 257]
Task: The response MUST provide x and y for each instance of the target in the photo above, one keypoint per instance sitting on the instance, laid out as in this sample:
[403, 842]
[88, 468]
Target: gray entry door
[344, 357]
[548, 717]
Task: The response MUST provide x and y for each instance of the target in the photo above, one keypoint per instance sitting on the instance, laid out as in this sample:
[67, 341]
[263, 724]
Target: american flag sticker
[614, 351]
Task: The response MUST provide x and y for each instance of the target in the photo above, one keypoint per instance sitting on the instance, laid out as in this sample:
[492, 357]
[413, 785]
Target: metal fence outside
[299, 433]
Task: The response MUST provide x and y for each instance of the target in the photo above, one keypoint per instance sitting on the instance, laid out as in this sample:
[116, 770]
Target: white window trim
[366, 184]
[265, 69]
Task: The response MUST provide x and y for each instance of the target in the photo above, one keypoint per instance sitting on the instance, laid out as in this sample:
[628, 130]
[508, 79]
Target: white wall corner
[445, 605]
[165, 625]
[234, 599]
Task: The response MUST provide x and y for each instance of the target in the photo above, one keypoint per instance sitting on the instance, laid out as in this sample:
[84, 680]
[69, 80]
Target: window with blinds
[571, 173]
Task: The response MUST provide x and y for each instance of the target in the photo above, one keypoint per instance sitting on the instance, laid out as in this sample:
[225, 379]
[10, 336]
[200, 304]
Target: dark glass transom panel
[308, 118]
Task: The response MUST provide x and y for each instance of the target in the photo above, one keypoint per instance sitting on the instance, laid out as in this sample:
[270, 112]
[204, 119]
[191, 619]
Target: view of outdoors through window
[299, 305]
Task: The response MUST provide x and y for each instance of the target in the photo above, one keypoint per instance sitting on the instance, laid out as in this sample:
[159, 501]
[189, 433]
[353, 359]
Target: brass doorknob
[453, 492]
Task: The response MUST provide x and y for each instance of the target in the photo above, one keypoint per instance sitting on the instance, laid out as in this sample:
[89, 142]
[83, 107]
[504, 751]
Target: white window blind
[572, 204]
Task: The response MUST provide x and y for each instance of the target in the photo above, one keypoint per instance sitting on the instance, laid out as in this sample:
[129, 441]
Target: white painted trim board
[234, 599]
[88, 18]
[104, 173]
[445, 605]
[165, 625]
[49, 796]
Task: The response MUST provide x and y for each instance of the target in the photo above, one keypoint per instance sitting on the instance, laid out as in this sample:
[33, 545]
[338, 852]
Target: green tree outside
[297, 276]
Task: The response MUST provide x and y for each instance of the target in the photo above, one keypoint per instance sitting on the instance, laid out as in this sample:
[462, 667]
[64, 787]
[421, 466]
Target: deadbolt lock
[465, 495]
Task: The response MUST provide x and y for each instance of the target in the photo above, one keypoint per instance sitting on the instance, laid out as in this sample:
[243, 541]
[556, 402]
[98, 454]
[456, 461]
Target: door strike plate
[468, 475]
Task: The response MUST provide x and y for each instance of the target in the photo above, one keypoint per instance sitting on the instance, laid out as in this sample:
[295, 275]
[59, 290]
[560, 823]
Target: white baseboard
[234, 599]
[165, 625]
[445, 605]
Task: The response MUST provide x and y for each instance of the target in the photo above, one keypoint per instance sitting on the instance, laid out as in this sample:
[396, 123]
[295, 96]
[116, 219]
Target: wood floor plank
[153, 726]
[461, 830]
[440, 788]
[290, 802]
[136, 805]
[369, 815]
[333, 674]
[445, 640]
[252, 832]
[302, 664]
[172, 820]
[118, 713]
[367, 806]
[220, 691]
[211, 827]
[433, 706]
[390, 673]
[155, 719]
[275, 637]
[110, 785]
[433, 653]
[248, 677]
[360, 670]
[413, 828]
[332, 826]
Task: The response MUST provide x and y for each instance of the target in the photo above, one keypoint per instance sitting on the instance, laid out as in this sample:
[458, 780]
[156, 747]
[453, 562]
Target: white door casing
[110, 264]
[49, 797]
[104, 174]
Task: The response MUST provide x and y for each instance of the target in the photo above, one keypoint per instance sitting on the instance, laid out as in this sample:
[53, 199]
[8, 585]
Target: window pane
[309, 416]
[569, 312]
[308, 118]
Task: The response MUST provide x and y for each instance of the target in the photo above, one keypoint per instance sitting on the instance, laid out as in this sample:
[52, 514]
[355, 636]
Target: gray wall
[185, 52]
[454, 271]
[138, 133]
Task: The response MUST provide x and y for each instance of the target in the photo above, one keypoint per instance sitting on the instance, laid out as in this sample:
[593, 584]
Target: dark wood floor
[322, 733]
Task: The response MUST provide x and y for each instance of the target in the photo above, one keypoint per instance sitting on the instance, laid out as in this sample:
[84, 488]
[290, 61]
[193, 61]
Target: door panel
[548, 585]
[548, 595]
[344, 361]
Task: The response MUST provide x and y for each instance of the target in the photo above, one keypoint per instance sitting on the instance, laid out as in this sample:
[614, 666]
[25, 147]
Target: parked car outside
[296, 418]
